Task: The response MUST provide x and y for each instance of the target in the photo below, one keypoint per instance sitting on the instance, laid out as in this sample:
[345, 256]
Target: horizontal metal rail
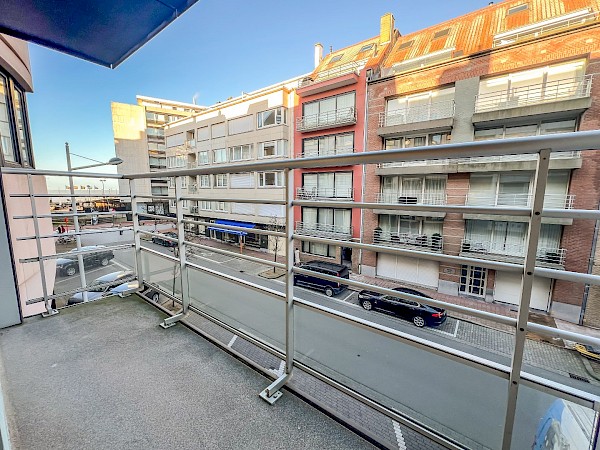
[76, 233]
[158, 235]
[562, 334]
[60, 173]
[158, 217]
[74, 254]
[103, 196]
[235, 228]
[118, 282]
[233, 200]
[152, 197]
[79, 214]
[236, 255]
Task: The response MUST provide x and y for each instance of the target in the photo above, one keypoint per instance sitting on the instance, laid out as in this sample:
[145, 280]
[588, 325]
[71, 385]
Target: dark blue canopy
[105, 32]
[232, 223]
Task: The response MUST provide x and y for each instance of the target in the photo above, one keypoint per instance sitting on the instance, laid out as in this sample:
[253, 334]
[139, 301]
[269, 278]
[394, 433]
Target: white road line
[120, 265]
[399, 436]
[232, 340]
[447, 332]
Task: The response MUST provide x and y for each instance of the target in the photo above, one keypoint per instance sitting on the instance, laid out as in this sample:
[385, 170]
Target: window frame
[279, 111]
[11, 112]
[278, 178]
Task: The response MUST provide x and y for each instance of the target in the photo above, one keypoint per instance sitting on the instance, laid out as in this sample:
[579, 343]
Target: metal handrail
[342, 69]
[559, 201]
[483, 246]
[305, 193]
[338, 117]
[412, 198]
[324, 152]
[427, 242]
[323, 229]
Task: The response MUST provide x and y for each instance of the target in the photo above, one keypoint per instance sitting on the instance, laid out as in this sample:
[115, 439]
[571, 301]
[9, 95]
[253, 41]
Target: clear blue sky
[216, 50]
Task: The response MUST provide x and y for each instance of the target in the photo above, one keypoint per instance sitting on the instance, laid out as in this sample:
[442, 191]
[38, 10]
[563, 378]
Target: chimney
[318, 54]
[386, 29]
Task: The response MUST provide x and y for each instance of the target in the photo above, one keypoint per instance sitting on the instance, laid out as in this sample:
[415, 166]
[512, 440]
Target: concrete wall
[14, 58]
[9, 302]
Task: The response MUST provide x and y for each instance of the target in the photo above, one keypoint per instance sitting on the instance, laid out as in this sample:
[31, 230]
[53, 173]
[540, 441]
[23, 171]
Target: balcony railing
[412, 198]
[534, 94]
[338, 71]
[314, 193]
[424, 242]
[330, 119]
[485, 390]
[325, 152]
[324, 230]
[478, 160]
[484, 246]
[193, 188]
[555, 201]
[420, 113]
[192, 164]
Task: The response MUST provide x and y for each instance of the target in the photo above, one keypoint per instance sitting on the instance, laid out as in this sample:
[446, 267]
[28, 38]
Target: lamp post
[112, 162]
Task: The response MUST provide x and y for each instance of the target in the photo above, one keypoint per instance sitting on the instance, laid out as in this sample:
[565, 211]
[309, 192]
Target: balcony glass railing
[329, 119]
[552, 91]
[338, 71]
[555, 201]
[466, 383]
[306, 153]
[319, 193]
[420, 113]
[412, 198]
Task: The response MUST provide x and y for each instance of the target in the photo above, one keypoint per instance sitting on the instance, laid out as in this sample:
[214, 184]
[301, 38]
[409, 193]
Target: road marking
[121, 265]
[345, 299]
[232, 340]
[399, 436]
[447, 332]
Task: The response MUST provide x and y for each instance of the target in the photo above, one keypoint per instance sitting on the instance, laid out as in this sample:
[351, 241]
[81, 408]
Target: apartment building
[253, 126]
[330, 120]
[140, 142]
[16, 151]
[516, 68]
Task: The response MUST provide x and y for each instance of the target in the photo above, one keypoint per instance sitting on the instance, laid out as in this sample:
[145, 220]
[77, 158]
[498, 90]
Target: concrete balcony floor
[105, 375]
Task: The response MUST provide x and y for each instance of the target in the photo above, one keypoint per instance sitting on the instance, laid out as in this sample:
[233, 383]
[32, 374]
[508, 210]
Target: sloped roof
[105, 32]
[474, 32]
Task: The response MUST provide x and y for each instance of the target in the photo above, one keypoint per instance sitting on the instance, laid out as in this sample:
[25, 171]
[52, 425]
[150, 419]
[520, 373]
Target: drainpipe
[591, 260]
[364, 174]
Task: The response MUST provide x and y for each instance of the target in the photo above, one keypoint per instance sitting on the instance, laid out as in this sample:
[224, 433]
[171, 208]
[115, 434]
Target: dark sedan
[98, 256]
[419, 313]
[165, 242]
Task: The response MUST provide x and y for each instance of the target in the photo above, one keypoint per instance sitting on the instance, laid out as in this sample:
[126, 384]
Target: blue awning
[105, 32]
[232, 223]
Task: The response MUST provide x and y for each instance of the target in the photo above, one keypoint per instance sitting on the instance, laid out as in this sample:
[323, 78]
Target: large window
[420, 107]
[272, 148]
[327, 184]
[218, 130]
[328, 108]
[204, 181]
[529, 129]
[240, 152]
[270, 179]
[203, 133]
[220, 155]
[22, 129]
[328, 145]
[240, 125]
[395, 225]
[176, 161]
[419, 140]
[6, 135]
[324, 221]
[221, 180]
[413, 190]
[202, 158]
[275, 116]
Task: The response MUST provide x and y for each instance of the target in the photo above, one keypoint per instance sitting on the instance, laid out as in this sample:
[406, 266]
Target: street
[394, 373]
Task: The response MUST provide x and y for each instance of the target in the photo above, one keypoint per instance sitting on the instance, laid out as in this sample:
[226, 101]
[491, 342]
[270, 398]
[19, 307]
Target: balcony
[324, 152]
[193, 188]
[192, 164]
[335, 78]
[324, 230]
[412, 198]
[314, 193]
[429, 243]
[194, 209]
[422, 113]
[483, 248]
[96, 357]
[331, 119]
[534, 94]
[551, 201]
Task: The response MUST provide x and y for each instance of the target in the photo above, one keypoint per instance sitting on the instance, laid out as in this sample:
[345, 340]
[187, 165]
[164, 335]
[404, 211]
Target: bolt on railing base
[50, 313]
[272, 393]
[172, 321]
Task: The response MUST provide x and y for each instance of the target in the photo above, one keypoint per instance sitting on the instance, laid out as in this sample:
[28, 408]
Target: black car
[419, 313]
[69, 265]
[324, 267]
[165, 242]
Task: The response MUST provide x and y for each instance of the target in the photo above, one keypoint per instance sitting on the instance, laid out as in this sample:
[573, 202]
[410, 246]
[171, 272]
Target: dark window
[336, 58]
[516, 9]
[441, 33]
[22, 128]
[406, 44]
[364, 48]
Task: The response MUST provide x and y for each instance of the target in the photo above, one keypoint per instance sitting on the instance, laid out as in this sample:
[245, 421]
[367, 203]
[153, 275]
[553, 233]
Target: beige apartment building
[253, 126]
[140, 143]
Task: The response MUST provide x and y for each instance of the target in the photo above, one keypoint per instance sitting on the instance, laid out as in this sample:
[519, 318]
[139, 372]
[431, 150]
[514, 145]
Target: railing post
[535, 224]
[136, 234]
[50, 311]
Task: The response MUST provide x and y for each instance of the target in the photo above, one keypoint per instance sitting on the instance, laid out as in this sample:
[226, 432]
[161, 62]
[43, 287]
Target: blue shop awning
[232, 223]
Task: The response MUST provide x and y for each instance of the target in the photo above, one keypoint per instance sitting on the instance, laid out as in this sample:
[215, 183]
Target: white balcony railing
[553, 91]
[478, 160]
[412, 198]
[325, 152]
[484, 246]
[420, 113]
[431, 243]
[193, 188]
[192, 164]
[342, 69]
[330, 119]
[553, 201]
[314, 193]
[324, 230]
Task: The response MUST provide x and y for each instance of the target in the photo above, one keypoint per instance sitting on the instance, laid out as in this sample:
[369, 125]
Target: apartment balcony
[423, 242]
[327, 194]
[324, 230]
[335, 78]
[193, 188]
[192, 164]
[569, 95]
[332, 119]
[325, 152]
[412, 198]
[551, 201]
[194, 209]
[430, 117]
[483, 248]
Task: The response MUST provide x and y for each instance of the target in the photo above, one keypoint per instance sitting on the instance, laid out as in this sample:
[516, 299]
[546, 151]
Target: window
[157, 146]
[394, 225]
[190, 138]
[332, 144]
[364, 48]
[184, 182]
[406, 44]
[329, 108]
[219, 206]
[184, 204]
[540, 128]
[171, 182]
[240, 152]
[205, 205]
[219, 155]
[22, 129]
[272, 148]
[240, 125]
[270, 179]
[156, 118]
[6, 139]
[276, 116]
[203, 133]
[473, 280]
[202, 158]
[431, 105]
[327, 184]
[413, 190]
[324, 220]
[417, 141]
[221, 180]
[156, 133]
[157, 163]
[242, 180]
[441, 33]
[204, 181]
[336, 58]
[176, 161]
[516, 9]
[218, 130]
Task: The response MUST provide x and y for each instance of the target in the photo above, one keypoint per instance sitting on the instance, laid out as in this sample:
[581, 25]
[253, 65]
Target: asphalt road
[398, 375]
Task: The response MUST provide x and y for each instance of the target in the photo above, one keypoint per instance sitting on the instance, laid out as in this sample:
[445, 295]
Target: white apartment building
[253, 126]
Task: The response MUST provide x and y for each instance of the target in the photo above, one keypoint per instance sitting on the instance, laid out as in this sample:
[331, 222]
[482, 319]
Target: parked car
[327, 268]
[100, 291]
[419, 313]
[165, 242]
[69, 266]
[125, 289]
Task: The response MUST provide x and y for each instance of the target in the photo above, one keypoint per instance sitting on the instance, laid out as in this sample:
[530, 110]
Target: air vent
[579, 377]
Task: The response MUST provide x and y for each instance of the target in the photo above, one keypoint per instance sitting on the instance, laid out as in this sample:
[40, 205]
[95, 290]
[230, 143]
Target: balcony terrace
[331, 119]
[483, 248]
[315, 193]
[83, 377]
[335, 78]
[424, 242]
[440, 112]
[324, 152]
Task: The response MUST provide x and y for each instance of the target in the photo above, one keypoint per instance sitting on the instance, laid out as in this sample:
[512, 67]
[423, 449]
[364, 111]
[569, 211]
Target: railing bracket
[49, 313]
[172, 321]
[272, 393]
